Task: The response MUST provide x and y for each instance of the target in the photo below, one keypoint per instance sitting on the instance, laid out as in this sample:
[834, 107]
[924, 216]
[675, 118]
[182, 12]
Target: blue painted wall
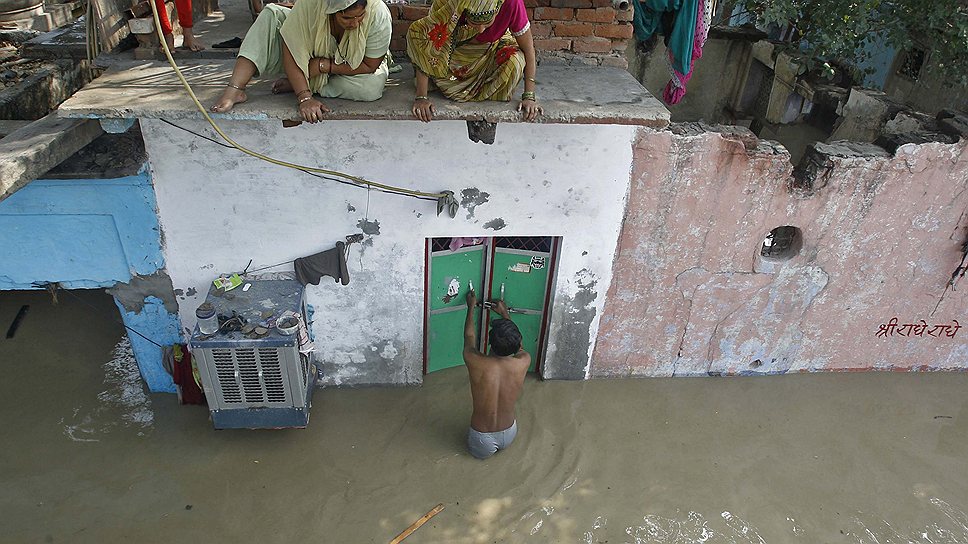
[83, 233]
[87, 234]
[155, 322]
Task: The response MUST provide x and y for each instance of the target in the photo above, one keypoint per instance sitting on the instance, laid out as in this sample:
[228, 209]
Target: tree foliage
[845, 30]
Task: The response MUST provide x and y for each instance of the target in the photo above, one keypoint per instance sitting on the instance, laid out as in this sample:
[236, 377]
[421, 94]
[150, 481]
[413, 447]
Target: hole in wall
[782, 244]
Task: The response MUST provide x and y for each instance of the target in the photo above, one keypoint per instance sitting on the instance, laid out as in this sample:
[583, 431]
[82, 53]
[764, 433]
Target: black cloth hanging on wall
[331, 262]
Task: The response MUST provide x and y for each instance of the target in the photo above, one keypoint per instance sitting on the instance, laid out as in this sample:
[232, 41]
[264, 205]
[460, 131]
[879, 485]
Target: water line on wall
[445, 199]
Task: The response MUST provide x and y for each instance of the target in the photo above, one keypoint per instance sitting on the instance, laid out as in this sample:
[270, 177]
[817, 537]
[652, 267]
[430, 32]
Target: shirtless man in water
[496, 380]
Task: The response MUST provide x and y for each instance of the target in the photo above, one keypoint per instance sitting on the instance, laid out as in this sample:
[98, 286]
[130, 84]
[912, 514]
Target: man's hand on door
[471, 299]
[501, 308]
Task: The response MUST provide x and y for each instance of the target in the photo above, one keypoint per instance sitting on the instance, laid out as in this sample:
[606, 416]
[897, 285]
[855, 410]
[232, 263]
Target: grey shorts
[484, 445]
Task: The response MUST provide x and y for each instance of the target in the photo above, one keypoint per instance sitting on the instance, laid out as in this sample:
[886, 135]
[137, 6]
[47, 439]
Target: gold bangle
[301, 100]
[304, 91]
[420, 98]
[531, 79]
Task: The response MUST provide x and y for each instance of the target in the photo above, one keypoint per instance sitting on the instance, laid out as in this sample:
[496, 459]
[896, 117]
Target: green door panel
[446, 339]
[445, 334]
[530, 327]
[460, 266]
[524, 285]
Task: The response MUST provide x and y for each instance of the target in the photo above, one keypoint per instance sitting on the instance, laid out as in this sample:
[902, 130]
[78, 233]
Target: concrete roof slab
[30, 151]
[569, 94]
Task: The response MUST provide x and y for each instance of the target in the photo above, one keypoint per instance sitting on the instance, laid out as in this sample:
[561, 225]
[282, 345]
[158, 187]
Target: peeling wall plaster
[881, 236]
[218, 209]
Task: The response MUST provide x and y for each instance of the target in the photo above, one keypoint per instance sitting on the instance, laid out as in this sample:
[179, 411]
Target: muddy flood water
[87, 456]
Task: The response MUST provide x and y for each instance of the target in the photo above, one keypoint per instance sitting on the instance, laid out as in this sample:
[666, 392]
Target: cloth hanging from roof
[331, 262]
[676, 88]
[685, 24]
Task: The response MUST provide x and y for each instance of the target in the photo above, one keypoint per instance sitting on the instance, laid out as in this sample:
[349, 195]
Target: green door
[449, 273]
[520, 277]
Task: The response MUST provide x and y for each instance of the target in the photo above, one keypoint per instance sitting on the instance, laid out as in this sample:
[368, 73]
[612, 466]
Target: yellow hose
[310, 169]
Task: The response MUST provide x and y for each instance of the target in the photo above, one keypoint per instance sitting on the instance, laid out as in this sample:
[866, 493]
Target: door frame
[485, 287]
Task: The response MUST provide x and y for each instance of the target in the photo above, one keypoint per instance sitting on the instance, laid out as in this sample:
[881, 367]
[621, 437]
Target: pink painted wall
[881, 237]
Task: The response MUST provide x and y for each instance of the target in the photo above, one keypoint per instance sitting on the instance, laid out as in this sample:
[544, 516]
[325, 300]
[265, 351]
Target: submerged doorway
[518, 269]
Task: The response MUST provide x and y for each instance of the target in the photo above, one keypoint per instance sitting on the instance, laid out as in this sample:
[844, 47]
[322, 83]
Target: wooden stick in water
[416, 525]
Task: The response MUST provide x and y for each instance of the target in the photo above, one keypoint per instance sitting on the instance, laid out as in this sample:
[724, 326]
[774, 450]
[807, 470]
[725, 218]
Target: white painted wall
[219, 208]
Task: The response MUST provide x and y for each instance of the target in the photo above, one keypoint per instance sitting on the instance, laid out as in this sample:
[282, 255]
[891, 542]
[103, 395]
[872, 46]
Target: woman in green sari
[473, 50]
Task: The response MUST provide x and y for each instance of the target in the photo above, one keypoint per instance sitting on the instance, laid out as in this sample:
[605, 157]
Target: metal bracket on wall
[481, 131]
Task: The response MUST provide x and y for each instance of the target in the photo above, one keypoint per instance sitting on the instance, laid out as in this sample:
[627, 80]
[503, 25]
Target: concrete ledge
[150, 89]
[36, 148]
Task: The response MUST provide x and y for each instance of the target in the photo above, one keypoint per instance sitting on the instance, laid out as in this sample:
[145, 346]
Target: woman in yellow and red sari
[474, 50]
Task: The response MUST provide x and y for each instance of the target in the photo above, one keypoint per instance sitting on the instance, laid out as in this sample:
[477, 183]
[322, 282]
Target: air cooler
[256, 382]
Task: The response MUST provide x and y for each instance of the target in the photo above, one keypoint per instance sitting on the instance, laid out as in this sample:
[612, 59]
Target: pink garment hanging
[457, 243]
[676, 88]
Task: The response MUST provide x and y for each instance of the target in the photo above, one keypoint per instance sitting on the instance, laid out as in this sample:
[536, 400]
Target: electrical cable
[96, 309]
[321, 176]
[308, 169]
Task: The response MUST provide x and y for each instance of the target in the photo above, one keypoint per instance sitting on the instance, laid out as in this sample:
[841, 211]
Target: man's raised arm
[470, 331]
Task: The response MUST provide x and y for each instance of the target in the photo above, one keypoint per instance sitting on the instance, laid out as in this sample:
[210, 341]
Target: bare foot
[281, 85]
[192, 44]
[230, 97]
[170, 41]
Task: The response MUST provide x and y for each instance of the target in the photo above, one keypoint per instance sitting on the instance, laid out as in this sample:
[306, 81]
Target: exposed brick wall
[565, 31]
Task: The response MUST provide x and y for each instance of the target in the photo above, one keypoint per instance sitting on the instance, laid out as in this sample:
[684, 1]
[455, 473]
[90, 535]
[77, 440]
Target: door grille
[541, 244]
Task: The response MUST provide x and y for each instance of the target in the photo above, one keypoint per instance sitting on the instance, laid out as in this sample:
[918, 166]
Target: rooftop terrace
[569, 94]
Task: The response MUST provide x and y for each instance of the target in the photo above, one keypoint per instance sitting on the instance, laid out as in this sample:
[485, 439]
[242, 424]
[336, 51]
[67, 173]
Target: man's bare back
[496, 380]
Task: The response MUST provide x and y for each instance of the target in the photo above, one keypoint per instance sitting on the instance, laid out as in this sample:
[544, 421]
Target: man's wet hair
[505, 338]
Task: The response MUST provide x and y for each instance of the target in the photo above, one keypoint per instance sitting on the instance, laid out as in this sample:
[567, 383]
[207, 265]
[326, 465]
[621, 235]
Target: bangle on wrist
[420, 98]
[531, 79]
[528, 95]
[319, 65]
[303, 91]
[301, 100]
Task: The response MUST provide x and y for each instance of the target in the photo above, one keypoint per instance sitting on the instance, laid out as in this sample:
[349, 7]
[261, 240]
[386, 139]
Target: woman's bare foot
[230, 97]
[281, 85]
[170, 41]
[190, 42]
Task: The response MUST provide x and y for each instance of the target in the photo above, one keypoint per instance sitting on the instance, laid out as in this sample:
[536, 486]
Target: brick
[398, 44]
[600, 15]
[614, 31]
[530, 12]
[602, 3]
[412, 13]
[553, 44]
[531, 3]
[571, 3]
[399, 28]
[569, 30]
[541, 30]
[620, 45]
[624, 16]
[591, 45]
[554, 14]
[618, 62]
